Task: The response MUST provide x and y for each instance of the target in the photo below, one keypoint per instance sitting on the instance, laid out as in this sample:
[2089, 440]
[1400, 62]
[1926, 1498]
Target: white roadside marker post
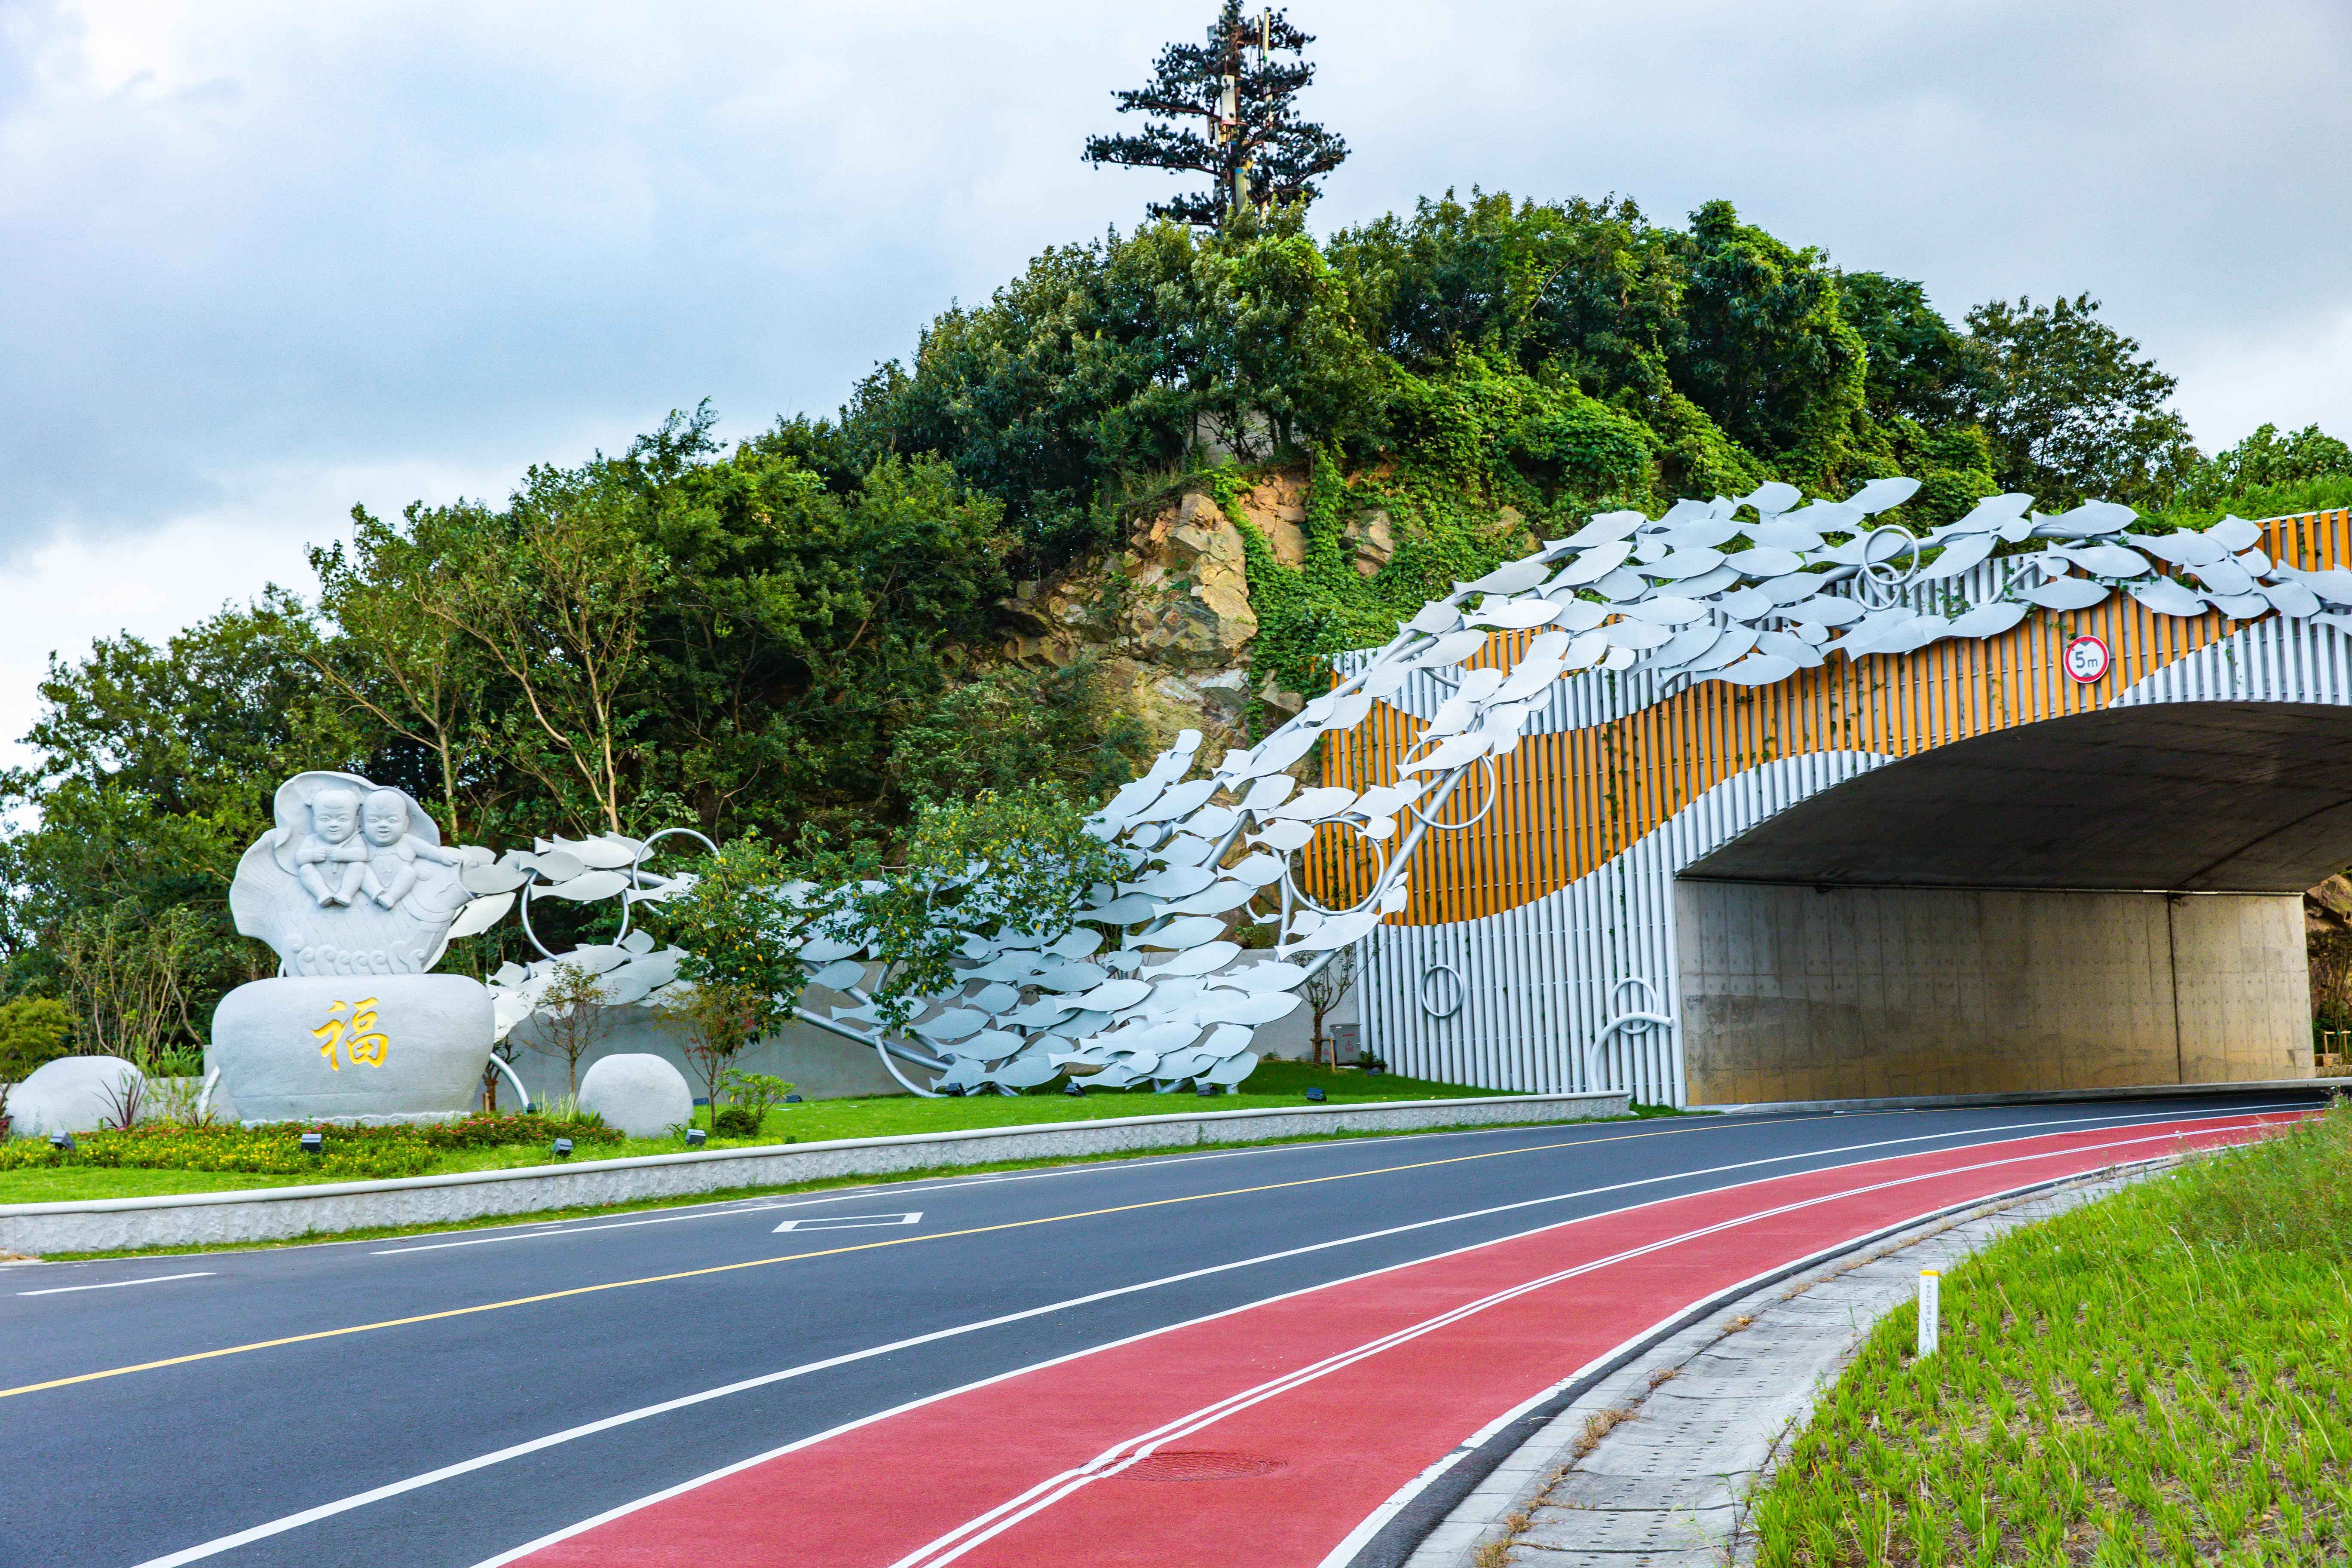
[1930, 1302]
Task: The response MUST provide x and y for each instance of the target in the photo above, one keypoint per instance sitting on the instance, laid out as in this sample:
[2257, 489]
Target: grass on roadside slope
[2158, 1378]
[882, 1116]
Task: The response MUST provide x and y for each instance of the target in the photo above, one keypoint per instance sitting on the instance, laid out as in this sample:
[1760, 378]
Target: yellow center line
[823, 1252]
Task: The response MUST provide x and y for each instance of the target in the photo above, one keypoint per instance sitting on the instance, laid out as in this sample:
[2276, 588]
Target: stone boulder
[74, 1094]
[643, 1095]
[382, 1047]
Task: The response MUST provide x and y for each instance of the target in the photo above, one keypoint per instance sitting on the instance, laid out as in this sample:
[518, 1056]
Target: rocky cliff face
[1169, 618]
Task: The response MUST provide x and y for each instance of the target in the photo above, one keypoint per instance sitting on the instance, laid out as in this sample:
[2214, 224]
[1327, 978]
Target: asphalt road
[197, 1407]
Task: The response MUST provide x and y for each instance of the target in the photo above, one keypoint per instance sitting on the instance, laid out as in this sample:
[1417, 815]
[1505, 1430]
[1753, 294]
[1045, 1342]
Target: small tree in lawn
[573, 1015]
[742, 926]
[1324, 991]
[716, 1020]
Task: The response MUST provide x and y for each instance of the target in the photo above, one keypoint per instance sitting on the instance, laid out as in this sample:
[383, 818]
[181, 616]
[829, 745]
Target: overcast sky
[265, 261]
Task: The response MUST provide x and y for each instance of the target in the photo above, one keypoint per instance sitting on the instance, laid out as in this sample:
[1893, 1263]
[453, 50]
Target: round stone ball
[72, 1094]
[642, 1095]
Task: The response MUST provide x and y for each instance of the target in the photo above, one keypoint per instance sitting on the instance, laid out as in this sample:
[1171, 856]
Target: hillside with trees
[1157, 479]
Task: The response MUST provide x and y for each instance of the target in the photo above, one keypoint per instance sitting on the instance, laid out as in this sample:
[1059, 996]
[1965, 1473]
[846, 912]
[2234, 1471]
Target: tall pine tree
[1248, 139]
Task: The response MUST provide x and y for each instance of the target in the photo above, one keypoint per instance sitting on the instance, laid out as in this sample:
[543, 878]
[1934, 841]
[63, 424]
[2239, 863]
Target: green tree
[398, 658]
[1918, 367]
[741, 923]
[1249, 141]
[574, 1015]
[1010, 727]
[128, 975]
[552, 595]
[33, 1030]
[2072, 408]
[2268, 460]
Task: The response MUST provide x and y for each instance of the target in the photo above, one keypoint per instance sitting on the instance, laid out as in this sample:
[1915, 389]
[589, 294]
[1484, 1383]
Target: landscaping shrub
[276, 1150]
[736, 1121]
[484, 1130]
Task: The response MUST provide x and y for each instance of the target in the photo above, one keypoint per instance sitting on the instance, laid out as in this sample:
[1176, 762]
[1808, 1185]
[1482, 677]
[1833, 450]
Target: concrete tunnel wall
[1806, 993]
[2103, 900]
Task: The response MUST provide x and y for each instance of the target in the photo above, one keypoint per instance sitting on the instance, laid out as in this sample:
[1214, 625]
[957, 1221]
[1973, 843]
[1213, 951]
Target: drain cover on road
[1201, 1467]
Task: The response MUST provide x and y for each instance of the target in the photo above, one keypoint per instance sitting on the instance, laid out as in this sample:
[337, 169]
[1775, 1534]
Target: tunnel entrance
[2109, 899]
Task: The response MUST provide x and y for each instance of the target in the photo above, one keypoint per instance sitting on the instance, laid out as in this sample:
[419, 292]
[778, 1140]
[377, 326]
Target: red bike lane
[1266, 1435]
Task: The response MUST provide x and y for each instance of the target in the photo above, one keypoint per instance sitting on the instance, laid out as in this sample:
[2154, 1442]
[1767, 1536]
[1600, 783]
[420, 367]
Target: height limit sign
[2088, 658]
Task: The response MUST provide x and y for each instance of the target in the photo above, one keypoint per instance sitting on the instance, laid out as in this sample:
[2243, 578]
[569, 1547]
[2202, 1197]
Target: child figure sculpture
[332, 857]
[393, 851]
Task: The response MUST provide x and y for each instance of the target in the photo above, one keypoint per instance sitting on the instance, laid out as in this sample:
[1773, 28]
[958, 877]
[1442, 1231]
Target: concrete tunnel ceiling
[2247, 797]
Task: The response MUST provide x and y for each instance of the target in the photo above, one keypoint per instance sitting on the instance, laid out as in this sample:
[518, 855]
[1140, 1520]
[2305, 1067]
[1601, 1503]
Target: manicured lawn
[73, 1182]
[2158, 1378]
[1274, 1084]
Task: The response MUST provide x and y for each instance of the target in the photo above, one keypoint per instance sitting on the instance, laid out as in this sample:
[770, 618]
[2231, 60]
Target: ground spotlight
[62, 1142]
[563, 1147]
[1205, 1089]
[1316, 1094]
[696, 1137]
[314, 1143]
[1074, 1090]
[791, 1100]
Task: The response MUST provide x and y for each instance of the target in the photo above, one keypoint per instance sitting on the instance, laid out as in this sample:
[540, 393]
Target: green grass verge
[2157, 1378]
[826, 1184]
[881, 1116]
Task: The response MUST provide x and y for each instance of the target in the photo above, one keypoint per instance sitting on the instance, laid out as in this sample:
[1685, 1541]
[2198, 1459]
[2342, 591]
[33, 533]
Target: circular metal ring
[636, 864]
[1461, 990]
[522, 908]
[1648, 991]
[1877, 589]
[1493, 793]
[1379, 883]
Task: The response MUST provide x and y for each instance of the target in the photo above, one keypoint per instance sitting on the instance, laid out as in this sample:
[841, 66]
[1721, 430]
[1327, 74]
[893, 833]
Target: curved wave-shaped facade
[1563, 891]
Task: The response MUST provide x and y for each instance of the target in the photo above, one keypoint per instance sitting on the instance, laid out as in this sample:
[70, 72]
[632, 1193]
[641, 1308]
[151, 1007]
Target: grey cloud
[338, 236]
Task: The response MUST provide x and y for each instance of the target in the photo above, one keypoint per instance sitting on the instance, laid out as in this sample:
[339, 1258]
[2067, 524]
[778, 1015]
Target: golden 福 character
[352, 1027]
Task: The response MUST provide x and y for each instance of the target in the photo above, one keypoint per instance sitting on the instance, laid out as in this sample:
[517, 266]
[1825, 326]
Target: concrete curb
[278, 1213]
[2034, 1096]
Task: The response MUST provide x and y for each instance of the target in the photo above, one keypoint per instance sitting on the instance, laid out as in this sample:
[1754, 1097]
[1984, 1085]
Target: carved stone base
[362, 1049]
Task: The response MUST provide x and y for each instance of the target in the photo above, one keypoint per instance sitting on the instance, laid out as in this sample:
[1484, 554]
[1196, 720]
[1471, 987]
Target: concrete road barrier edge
[279, 1214]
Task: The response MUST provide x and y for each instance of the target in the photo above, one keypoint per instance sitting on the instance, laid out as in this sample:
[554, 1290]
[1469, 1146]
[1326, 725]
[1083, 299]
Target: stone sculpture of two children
[359, 848]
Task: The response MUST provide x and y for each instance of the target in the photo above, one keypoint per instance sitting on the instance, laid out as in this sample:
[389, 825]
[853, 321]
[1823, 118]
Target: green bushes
[736, 1121]
[355, 1153]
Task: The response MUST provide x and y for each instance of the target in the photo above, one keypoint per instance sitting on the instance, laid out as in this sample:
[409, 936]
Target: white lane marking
[851, 1195]
[723, 1207]
[850, 1221]
[588, 1429]
[974, 1532]
[118, 1284]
